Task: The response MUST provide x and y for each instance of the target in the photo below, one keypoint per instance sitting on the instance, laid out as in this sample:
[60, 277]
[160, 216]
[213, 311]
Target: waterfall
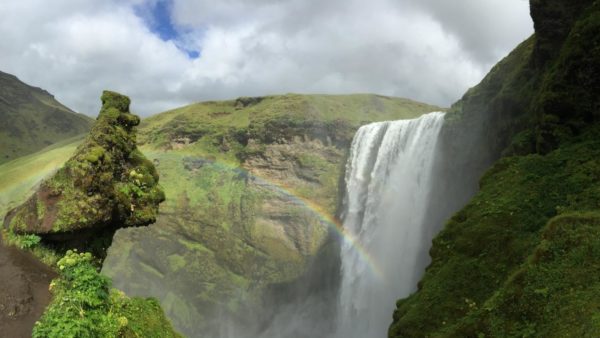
[388, 184]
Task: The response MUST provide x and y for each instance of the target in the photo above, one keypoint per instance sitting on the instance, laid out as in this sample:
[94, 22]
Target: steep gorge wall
[247, 231]
[499, 267]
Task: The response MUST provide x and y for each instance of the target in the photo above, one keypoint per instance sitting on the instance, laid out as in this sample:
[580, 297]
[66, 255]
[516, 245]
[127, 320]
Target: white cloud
[427, 50]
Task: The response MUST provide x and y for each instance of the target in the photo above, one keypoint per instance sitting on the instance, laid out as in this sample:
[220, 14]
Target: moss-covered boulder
[107, 184]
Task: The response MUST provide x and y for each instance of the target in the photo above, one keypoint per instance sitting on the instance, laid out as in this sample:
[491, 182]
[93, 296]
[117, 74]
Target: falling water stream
[388, 184]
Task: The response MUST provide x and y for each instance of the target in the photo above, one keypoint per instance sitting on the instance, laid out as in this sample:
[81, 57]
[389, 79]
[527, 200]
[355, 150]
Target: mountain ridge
[33, 119]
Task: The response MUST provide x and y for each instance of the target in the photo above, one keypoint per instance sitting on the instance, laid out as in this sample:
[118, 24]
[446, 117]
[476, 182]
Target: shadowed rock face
[553, 20]
[107, 184]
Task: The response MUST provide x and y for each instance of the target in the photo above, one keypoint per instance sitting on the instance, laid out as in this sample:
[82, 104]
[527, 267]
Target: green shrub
[29, 241]
[84, 305]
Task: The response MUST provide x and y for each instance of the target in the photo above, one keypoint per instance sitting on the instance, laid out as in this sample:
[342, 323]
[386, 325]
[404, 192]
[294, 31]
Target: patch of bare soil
[24, 294]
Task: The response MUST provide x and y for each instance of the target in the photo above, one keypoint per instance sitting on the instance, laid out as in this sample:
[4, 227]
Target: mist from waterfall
[389, 181]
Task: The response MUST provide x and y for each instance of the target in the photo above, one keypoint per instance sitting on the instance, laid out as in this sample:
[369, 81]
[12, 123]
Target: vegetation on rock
[84, 305]
[19, 177]
[106, 184]
[242, 179]
[520, 258]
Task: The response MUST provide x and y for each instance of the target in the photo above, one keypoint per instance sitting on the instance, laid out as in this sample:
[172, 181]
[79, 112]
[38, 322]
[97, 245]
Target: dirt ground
[24, 291]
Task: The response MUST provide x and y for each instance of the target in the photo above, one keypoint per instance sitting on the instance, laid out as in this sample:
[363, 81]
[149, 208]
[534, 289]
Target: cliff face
[567, 97]
[106, 184]
[32, 119]
[251, 185]
[519, 258]
[553, 21]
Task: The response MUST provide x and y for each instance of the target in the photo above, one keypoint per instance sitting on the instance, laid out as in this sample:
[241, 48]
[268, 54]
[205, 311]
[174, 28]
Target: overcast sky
[168, 53]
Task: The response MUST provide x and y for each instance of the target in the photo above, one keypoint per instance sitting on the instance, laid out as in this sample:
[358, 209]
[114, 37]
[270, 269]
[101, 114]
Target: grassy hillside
[32, 119]
[20, 176]
[271, 118]
[247, 183]
[520, 260]
[243, 179]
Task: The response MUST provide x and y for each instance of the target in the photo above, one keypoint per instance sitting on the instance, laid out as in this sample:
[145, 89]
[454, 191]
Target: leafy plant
[84, 306]
[29, 241]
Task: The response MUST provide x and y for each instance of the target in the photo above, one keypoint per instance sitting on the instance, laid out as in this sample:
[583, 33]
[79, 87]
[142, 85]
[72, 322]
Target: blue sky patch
[157, 16]
[192, 54]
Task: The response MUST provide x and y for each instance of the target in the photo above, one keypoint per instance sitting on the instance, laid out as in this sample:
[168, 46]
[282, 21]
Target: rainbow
[324, 216]
[26, 182]
[335, 224]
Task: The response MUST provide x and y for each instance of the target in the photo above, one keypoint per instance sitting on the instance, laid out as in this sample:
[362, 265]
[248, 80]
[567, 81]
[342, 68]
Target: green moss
[41, 209]
[91, 190]
[567, 100]
[95, 154]
[176, 262]
[115, 100]
[555, 292]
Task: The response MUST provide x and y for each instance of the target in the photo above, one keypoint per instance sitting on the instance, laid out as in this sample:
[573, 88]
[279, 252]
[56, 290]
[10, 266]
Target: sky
[169, 53]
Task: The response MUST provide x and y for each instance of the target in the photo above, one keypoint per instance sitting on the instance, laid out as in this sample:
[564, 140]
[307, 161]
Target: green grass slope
[247, 182]
[271, 117]
[32, 119]
[520, 260]
[20, 176]
[231, 133]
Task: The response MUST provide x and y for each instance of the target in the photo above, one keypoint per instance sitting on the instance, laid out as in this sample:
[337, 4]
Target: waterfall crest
[388, 183]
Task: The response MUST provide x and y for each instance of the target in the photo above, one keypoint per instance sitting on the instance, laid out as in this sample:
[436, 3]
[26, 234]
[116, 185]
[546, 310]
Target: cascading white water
[388, 181]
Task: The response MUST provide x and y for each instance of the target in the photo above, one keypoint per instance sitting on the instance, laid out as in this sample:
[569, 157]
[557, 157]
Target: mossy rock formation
[107, 184]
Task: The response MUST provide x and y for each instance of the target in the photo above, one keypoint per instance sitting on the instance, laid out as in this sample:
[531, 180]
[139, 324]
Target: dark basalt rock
[107, 184]
[242, 102]
[553, 21]
[567, 46]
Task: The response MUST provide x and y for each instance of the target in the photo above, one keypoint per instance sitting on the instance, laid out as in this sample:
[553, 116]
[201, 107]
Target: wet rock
[553, 21]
